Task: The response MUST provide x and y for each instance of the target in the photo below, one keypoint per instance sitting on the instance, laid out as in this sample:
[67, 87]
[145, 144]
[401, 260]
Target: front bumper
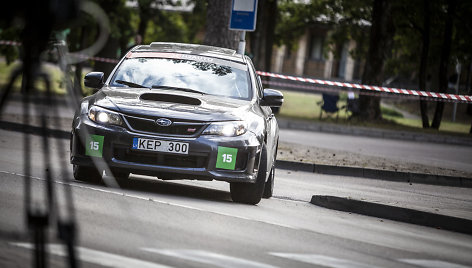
[200, 162]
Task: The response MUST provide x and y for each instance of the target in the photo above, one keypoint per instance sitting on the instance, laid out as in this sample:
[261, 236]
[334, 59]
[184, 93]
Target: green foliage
[168, 27]
[409, 33]
[195, 21]
[390, 112]
[55, 76]
[11, 53]
[350, 20]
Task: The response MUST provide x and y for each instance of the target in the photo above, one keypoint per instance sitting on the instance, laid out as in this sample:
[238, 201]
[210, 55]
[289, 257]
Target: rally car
[180, 111]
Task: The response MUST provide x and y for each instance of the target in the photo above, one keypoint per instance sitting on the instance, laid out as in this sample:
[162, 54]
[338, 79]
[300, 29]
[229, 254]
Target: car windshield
[205, 77]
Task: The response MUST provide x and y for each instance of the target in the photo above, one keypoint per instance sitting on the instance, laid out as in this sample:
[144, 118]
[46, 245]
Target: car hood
[171, 104]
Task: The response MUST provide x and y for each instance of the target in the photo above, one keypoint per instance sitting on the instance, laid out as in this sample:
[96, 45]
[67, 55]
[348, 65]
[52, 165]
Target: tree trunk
[142, 27]
[145, 15]
[424, 61]
[217, 31]
[380, 47]
[262, 40]
[469, 88]
[444, 62]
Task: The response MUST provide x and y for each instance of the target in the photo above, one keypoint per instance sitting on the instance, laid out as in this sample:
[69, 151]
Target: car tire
[87, 174]
[251, 193]
[269, 185]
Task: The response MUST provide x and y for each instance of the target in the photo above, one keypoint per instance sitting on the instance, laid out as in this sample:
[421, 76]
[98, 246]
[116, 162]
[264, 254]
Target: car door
[270, 129]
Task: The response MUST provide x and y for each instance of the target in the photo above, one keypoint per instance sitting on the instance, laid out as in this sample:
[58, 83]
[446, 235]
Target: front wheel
[269, 185]
[251, 193]
[87, 174]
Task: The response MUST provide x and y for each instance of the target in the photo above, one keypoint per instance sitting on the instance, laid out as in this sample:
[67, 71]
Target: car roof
[191, 49]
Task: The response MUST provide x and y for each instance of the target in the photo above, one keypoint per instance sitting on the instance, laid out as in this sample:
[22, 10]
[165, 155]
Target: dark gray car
[180, 111]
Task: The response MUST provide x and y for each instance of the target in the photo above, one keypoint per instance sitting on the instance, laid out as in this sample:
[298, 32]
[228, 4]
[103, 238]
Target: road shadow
[169, 188]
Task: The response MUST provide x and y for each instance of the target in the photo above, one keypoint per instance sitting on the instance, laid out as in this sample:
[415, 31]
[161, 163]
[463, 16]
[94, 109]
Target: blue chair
[329, 104]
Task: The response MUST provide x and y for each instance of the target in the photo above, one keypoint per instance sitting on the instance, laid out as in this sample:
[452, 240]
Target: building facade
[312, 59]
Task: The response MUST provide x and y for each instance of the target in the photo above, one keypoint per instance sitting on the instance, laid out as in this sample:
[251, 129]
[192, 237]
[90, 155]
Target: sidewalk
[372, 132]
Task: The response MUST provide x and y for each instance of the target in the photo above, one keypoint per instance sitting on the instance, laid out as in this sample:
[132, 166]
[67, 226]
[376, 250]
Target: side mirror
[94, 80]
[272, 98]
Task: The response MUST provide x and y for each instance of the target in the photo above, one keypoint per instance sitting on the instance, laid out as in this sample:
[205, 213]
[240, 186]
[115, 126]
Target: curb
[388, 175]
[372, 132]
[394, 213]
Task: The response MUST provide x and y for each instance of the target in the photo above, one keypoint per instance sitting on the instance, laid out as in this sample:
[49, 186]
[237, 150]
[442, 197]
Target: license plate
[160, 146]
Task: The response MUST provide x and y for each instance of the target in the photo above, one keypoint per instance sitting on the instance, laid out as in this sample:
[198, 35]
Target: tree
[217, 27]
[262, 39]
[380, 47]
[146, 13]
[444, 63]
[413, 31]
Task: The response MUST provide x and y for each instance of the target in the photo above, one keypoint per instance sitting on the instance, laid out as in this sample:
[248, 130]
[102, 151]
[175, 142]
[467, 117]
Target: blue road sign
[243, 15]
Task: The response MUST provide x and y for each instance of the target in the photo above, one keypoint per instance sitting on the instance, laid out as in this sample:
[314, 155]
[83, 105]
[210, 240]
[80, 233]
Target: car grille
[161, 159]
[188, 129]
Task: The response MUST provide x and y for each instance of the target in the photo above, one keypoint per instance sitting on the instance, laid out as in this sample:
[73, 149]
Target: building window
[316, 48]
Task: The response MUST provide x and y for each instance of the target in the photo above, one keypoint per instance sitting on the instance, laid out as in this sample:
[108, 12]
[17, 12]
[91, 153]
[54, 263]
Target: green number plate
[94, 146]
[226, 158]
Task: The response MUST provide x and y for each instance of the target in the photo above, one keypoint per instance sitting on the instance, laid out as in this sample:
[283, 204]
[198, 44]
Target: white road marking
[322, 260]
[97, 257]
[211, 258]
[122, 193]
[433, 263]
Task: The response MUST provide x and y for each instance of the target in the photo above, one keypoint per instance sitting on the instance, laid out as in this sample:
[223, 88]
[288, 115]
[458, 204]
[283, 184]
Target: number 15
[94, 145]
[227, 158]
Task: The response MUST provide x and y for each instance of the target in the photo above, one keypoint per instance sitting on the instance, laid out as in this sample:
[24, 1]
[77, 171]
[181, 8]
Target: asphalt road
[431, 154]
[152, 223]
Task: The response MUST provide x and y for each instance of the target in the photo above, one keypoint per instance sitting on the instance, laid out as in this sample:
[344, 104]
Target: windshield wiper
[130, 84]
[179, 89]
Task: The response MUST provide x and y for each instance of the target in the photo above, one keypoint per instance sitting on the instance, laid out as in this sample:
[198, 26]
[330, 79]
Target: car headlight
[103, 116]
[228, 129]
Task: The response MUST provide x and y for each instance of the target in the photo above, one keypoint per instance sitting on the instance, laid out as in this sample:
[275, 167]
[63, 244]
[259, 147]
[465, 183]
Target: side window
[258, 79]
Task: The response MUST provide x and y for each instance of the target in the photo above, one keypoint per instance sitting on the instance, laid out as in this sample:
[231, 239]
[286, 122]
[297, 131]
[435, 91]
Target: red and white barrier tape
[9, 43]
[405, 92]
[324, 89]
[434, 95]
[83, 56]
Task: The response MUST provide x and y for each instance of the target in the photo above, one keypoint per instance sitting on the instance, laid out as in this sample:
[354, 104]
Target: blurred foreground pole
[456, 90]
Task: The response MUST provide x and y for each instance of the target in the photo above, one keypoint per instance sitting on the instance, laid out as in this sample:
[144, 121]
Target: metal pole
[242, 43]
[454, 109]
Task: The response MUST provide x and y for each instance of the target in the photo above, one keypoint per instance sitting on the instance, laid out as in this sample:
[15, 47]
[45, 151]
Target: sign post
[243, 18]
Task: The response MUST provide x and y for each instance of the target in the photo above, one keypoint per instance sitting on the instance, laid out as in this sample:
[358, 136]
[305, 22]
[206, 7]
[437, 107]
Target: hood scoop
[170, 98]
